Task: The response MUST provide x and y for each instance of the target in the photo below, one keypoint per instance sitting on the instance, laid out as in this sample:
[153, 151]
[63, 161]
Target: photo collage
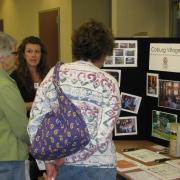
[166, 91]
[124, 55]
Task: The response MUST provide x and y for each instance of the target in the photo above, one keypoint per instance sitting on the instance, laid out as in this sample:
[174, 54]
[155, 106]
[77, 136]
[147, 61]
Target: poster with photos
[152, 84]
[161, 124]
[126, 126]
[130, 102]
[124, 54]
[169, 94]
[115, 73]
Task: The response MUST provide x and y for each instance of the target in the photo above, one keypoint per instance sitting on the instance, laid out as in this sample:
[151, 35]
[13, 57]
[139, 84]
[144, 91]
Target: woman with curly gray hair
[96, 93]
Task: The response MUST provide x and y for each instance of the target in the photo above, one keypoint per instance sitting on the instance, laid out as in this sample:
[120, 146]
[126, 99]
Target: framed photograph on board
[124, 54]
[115, 73]
[152, 84]
[169, 94]
[130, 103]
[126, 126]
[161, 124]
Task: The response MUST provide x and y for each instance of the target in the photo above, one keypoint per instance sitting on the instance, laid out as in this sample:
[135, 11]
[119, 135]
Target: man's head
[7, 51]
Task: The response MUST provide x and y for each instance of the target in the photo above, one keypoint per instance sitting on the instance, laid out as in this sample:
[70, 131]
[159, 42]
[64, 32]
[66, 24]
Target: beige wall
[133, 16]
[128, 17]
[21, 20]
[83, 10]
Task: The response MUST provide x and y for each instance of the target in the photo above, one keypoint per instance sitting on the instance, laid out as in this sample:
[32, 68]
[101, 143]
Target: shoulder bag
[61, 133]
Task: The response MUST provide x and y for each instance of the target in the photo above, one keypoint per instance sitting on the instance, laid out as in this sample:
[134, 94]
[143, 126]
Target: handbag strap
[56, 77]
[59, 89]
[56, 71]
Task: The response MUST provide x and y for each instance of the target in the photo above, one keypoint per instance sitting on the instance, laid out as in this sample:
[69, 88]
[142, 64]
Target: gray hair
[6, 44]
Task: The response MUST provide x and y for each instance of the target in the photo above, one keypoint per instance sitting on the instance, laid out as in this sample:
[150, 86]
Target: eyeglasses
[14, 53]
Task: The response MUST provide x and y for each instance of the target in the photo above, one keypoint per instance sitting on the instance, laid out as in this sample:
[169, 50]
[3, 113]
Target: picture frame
[161, 124]
[116, 73]
[169, 94]
[126, 126]
[130, 103]
[152, 84]
[124, 54]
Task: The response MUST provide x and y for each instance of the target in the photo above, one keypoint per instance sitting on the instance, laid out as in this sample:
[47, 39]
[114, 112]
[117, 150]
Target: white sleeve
[43, 102]
[112, 105]
[111, 111]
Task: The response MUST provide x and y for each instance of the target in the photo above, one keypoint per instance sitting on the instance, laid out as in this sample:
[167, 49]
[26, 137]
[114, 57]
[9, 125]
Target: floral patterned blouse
[97, 95]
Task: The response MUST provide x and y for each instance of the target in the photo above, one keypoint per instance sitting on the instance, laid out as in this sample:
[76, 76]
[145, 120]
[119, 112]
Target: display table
[133, 145]
[123, 144]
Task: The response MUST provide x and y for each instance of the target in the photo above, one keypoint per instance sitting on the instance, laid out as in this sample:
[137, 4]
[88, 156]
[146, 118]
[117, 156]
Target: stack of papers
[141, 175]
[126, 164]
[145, 155]
[164, 171]
[175, 162]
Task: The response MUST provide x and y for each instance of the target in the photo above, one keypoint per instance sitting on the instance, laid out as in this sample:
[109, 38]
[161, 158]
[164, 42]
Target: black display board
[133, 81]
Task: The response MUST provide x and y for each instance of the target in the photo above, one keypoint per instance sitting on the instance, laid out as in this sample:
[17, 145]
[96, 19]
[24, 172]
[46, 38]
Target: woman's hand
[59, 162]
[28, 105]
[51, 171]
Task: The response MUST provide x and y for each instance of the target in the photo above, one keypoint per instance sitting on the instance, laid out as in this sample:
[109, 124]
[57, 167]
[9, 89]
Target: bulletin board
[134, 81]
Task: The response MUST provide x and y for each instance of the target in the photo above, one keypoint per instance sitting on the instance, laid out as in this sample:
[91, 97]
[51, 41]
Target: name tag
[36, 85]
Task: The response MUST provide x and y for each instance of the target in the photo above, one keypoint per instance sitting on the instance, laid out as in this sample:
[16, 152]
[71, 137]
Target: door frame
[1, 25]
[58, 22]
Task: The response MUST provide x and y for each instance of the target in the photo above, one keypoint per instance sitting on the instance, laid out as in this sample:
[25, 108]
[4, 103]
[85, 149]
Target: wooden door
[49, 34]
[1, 25]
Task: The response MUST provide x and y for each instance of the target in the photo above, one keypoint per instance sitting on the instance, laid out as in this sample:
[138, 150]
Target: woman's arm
[109, 113]
[15, 112]
[28, 105]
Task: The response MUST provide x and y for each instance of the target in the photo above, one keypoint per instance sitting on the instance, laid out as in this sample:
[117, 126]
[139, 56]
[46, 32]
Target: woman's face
[32, 54]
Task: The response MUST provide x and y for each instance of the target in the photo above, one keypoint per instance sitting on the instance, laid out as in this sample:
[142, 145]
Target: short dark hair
[91, 41]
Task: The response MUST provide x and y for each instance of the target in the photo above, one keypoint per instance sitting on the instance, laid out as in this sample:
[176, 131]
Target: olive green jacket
[14, 139]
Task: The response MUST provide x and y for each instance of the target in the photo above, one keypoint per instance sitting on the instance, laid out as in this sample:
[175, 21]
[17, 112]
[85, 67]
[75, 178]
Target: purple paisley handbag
[61, 133]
